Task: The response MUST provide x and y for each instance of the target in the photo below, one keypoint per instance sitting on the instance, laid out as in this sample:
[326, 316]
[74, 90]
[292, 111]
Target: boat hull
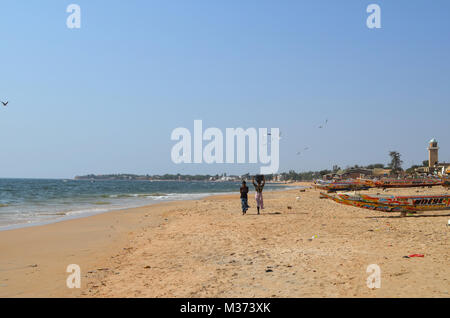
[393, 203]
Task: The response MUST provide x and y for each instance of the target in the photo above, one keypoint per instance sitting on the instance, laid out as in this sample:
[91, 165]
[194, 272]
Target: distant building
[381, 172]
[278, 178]
[434, 166]
[353, 173]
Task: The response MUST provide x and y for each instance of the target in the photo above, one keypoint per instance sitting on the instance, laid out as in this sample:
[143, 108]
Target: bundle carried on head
[259, 178]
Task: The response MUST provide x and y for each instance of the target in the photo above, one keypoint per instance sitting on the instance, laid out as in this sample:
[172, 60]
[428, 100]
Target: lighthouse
[433, 150]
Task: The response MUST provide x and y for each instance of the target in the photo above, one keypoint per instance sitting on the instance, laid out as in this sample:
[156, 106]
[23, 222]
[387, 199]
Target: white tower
[433, 150]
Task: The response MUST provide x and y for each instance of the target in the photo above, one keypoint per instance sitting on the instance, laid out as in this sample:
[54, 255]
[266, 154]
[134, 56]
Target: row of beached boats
[385, 203]
[364, 184]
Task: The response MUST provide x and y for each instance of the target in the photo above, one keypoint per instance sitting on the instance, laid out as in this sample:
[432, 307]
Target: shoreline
[73, 215]
[206, 248]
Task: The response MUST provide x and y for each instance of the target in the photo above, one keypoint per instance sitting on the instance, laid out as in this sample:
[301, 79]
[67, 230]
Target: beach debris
[297, 198]
[269, 269]
[147, 267]
[448, 224]
[414, 255]
[289, 207]
[302, 190]
[4, 104]
[34, 265]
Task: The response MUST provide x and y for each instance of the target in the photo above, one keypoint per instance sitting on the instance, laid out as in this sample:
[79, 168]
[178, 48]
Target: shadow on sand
[275, 213]
[408, 216]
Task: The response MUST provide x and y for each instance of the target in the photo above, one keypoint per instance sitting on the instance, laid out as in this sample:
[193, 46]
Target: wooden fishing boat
[401, 204]
[348, 185]
[405, 183]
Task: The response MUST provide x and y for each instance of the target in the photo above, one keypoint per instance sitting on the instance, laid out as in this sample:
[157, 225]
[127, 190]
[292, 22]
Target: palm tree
[396, 162]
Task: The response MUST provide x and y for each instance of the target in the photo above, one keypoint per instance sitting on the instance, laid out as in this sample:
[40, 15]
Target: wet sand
[298, 247]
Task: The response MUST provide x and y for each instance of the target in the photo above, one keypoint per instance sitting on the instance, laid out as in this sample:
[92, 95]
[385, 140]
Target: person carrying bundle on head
[259, 186]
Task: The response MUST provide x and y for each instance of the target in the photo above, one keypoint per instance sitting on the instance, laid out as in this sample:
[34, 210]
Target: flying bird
[4, 104]
[304, 149]
[326, 122]
[279, 136]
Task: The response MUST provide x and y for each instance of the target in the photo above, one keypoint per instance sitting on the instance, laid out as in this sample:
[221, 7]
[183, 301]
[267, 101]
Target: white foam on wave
[17, 219]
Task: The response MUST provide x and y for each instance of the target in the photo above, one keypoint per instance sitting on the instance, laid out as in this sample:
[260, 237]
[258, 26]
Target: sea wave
[30, 203]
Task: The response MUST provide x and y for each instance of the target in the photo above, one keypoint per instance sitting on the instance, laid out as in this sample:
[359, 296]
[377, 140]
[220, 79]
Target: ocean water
[27, 202]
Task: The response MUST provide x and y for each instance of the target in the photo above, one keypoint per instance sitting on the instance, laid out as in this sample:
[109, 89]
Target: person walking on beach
[244, 197]
[259, 186]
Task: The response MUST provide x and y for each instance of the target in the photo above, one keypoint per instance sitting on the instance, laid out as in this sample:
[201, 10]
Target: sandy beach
[298, 247]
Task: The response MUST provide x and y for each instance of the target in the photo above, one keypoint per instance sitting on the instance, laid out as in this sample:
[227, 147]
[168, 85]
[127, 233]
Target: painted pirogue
[405, 183]
[348, 185]
[401, 204]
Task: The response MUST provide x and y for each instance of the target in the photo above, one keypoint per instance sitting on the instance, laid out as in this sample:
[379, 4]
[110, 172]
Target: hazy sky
[105, 98]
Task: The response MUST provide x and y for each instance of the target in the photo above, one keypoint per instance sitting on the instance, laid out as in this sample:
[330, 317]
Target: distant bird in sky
[272, 137]
[4, 104]
[279, 135]
[326, 122]
[304, 149]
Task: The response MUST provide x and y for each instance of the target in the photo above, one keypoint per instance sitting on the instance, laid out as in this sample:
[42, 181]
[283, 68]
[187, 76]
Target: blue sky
[105, 98]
